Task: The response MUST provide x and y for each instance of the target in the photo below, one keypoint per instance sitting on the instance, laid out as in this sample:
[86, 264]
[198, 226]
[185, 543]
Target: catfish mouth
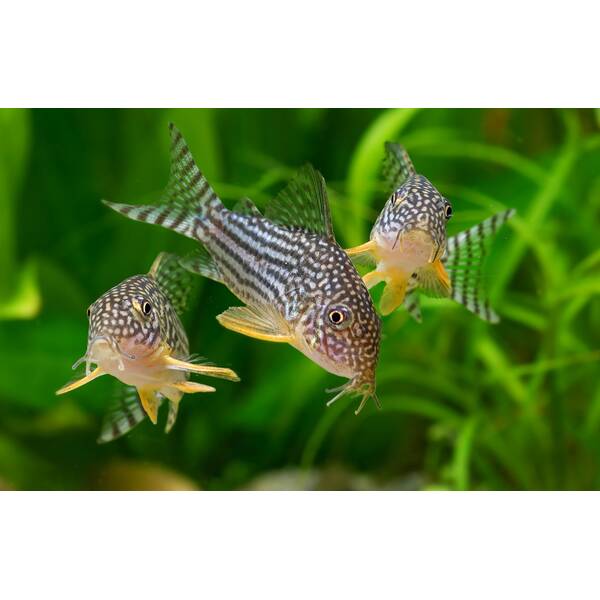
[102, 347]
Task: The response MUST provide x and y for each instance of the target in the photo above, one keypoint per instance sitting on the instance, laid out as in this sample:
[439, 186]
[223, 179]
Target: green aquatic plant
[19, 292]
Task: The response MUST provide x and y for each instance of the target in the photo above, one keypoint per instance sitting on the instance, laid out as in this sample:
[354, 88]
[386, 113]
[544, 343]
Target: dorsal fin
[397, 166]
[187, 187]
[173, 279]
[245, 206]
[303, 203]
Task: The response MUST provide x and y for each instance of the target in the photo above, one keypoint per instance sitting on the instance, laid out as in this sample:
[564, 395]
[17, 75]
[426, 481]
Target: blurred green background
[466, 405]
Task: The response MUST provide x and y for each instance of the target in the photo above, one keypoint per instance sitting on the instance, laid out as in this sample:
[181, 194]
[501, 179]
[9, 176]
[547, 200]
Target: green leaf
[543, 201]
[19, 296]
[25, 301]
[462, 454]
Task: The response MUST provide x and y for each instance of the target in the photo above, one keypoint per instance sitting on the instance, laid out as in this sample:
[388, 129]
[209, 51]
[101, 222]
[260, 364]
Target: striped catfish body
[135, 334]
[255, 257]
[298, 285]
[306, 278]
[262, 262]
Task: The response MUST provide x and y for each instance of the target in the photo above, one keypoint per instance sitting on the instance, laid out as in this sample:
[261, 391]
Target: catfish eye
[89, 312]
[146, 308]
[448, 210]
[339, 316]
[336, 317]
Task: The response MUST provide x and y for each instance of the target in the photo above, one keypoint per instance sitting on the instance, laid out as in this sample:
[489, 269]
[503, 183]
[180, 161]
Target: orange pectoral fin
[79, 382]
[392, 297]
[440, 270]
[367, 247]
[260, 325]
[434, 280]
[365, 254]
[149, 403]
[372, 278]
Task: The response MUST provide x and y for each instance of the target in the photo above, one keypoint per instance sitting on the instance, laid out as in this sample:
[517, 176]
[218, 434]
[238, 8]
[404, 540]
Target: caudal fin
[188, 200]
[125, 413]
[463, 260]
[413, 305]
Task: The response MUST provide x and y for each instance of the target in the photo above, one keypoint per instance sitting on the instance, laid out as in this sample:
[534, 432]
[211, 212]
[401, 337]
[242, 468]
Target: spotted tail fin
[124, 413]
[463, 261]
[187, 201]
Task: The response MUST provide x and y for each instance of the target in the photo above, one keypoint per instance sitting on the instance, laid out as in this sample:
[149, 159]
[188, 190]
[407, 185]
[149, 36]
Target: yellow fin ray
[365, 254]
[434, 280]
[79, 382]
[256, 324]
[191, 387]
[220, 372]
[372, 278]
[150, 403]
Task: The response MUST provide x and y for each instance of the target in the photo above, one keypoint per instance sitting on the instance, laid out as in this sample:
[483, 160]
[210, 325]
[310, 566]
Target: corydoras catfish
[135, 334]
[410, 249]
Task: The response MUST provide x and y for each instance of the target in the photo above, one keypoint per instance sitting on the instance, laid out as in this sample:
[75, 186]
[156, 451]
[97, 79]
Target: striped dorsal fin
[245, 206]
[463, 260]
[173, 279]
[303, 203]
[397, 166]
[125, 412]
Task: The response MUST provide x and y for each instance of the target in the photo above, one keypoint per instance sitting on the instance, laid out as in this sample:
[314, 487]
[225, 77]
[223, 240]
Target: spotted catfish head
[340, 329]
[416, 211]
[131, 320]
